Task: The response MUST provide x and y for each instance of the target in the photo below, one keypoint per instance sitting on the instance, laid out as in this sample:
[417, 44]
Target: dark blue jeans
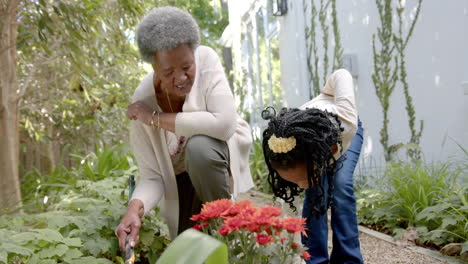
[343, 213]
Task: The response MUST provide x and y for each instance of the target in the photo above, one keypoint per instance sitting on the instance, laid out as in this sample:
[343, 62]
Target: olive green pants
[207, 177]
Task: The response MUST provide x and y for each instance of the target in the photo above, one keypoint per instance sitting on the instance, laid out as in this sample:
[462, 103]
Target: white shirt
[338, 97]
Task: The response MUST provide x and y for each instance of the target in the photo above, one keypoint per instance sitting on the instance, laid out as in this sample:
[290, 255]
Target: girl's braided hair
[315, 132]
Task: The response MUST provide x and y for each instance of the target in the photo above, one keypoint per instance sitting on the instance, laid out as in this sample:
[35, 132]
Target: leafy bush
[106, 161]
[414, 187]
[368, 201]
[427, 198]
[79, 210]
[448, 219]
[258, 167]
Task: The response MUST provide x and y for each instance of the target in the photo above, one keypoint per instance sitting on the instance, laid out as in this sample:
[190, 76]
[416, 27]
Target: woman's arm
[220, 118]
[139, 110]
[150, 187]
[148, 191]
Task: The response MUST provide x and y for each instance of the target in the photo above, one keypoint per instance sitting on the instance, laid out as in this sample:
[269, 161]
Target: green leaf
[464, 247]
[11, 248]
[49, 235]
[3, 256]
[90, 260]
[158, 243]
[146, 238]
[47, 261]
[194, 247]
[72, 242]
[58, 250]
[57, 221]
[33, 259]
[448, 222]
[42, 243]
[97, 245]
[72, 254]
[23, 238]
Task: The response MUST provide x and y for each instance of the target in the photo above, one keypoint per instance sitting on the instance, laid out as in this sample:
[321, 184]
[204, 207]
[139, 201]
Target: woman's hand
[130, 225]
[140, 111]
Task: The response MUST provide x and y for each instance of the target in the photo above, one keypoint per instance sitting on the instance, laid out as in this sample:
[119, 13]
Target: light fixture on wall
[280, 7]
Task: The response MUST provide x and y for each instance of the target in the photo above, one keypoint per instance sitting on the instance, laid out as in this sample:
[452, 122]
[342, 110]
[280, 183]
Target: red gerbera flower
[212, 210]
[253, 227]
[305, 255]
[269, 211]
[263, 220]
[200, 227]
[224, 231]
[263, 239]
[236, 222]
[294, 225]
[244, 207]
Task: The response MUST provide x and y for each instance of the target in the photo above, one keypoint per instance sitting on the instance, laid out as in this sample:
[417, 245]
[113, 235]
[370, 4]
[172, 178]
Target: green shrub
[447, 221]
[413, 187]
[72, 213]
[428, 198]
[368, 203]
[258, 167]
[106, 161]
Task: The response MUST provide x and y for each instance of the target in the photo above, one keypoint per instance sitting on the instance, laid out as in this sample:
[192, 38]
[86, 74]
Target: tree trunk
[10, 195]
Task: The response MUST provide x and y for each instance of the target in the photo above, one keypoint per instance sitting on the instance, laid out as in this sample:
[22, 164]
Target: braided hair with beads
[315, 132]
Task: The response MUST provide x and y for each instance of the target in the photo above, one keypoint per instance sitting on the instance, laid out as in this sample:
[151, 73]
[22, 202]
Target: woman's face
[176, 69]
[297, 174]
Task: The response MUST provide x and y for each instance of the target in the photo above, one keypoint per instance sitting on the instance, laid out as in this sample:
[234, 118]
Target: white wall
[437, 64]
[294, 74]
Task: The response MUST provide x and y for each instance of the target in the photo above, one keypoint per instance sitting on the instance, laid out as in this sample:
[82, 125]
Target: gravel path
[374, 251]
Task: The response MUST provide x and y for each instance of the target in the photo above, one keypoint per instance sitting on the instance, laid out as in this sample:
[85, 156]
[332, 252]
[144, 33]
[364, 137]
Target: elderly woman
[190, 144]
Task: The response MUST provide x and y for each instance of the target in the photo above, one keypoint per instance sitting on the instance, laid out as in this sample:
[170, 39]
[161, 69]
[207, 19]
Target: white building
[436, 61]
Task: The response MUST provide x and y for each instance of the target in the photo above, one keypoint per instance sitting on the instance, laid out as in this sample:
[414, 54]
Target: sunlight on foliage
[77, 224]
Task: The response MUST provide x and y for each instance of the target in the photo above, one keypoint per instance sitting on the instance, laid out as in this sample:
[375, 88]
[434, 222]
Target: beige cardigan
[338, 97]
[209, 109]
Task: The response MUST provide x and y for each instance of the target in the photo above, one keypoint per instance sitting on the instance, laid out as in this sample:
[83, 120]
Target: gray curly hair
[165, 28]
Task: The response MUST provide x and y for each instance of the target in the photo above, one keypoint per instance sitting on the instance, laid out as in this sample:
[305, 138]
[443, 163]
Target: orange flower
[305, 255]
[236, 222]
[212, 210]
[293, 225]
[196, 218]
[244, 224]
[277, 223]
[263, 220]
[263, 239]
[243, 207]
[269, 211]
[252, 227]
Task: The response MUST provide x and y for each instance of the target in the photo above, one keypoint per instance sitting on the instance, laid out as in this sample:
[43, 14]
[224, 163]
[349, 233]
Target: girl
[316, 148]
